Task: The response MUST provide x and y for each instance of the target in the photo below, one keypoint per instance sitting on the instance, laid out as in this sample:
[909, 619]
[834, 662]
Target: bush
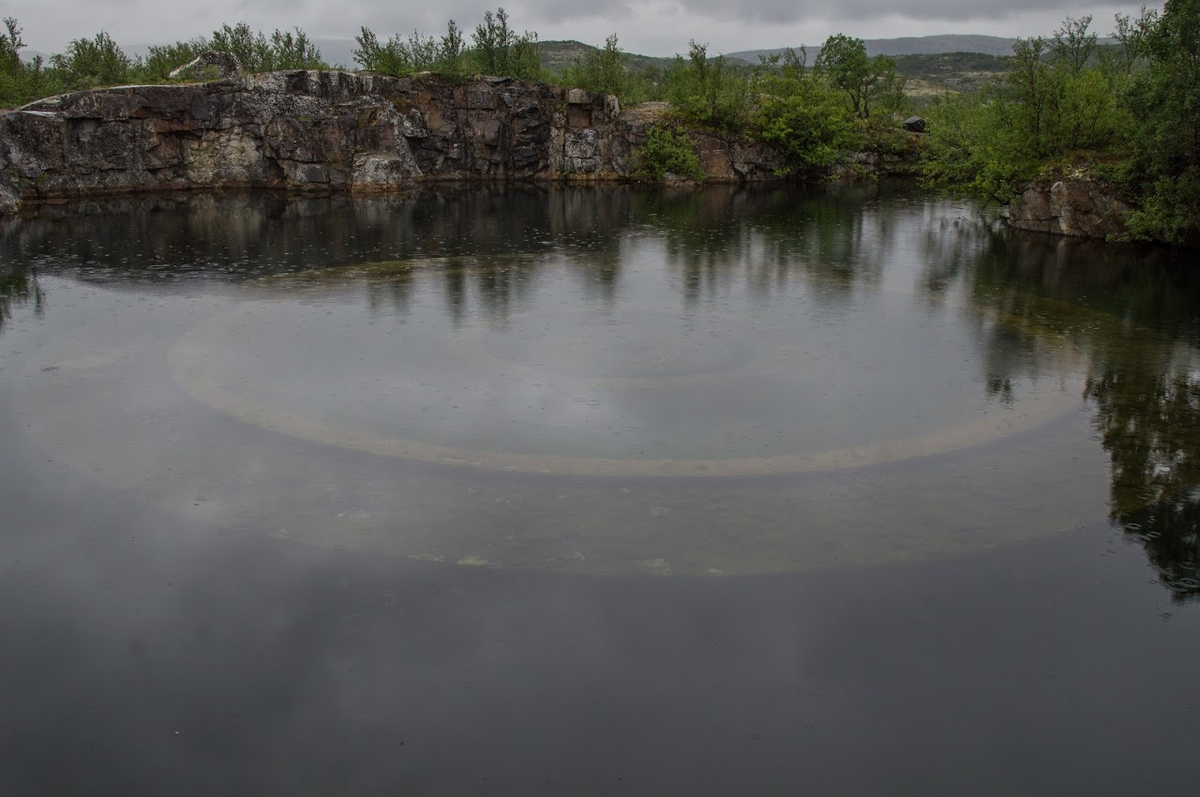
[1049, 110]
[602, 71]
[807, 123]
[257, 53]
[162, 60]
[499, 50]
[1163, 94]
[709, 92]
[89, 63]
[398, 56]
[668, 152]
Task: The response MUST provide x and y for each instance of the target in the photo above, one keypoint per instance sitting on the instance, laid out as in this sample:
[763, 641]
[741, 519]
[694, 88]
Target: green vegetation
[814, 117]
[1124, 114]
[99, 61]
[257, 53]
[496, 50]
[668, 152]
[1163, 94]
[844, 63]
[803, 117]
[609, 70]
[709, 92]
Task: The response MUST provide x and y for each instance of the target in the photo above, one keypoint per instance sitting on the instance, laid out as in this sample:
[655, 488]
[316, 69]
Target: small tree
[708, 91]
[161, 60]
[451, 50]
[602, 70]
[667, 152]
[499, 50]
[98, 61]
[1164, 95]
[251, 50]
[843, 61]
[1073, 44]
[293, 51]
[493, 41]
[11, 45]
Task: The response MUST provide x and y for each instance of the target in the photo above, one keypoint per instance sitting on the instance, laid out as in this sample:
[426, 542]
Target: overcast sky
[657, 27]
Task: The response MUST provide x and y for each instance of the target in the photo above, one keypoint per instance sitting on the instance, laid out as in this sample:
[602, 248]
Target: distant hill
[936, 73]
[909, 45]
[932, 64]
[914, 45]
[557, 55]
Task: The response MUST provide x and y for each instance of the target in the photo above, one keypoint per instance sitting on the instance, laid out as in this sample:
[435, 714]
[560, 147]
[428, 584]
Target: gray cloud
[655, 27]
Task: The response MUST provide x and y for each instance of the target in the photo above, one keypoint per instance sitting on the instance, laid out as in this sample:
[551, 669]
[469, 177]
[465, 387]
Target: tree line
[100, 61]
[1126, 114]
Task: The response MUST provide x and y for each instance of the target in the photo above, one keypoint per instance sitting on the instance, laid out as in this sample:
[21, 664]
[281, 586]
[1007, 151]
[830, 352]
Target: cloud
[659, 27]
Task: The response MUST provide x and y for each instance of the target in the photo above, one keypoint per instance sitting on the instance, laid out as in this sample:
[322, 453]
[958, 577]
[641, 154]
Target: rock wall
[327, 130]
[1075, 207]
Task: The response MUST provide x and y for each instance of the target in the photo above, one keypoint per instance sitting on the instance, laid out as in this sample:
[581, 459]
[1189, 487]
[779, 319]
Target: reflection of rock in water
[1149, 419]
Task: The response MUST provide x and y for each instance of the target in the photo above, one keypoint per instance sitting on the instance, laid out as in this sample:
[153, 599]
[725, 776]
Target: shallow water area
[502, 432]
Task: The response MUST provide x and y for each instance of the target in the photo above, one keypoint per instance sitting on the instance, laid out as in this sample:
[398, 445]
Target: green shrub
[162, 60]
[602, 71]
[807, 124]
[667, 151]
[709, 92]
[499, 50]
[89, 63]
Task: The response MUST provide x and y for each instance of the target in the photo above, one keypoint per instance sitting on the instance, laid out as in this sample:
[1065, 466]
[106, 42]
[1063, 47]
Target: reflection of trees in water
[1131, 312]
[236, 237]
[454, 292]
[762, 236]
[1035, 302]
[18, 288]
[465, 287]
[715, 237]
[1148, 416]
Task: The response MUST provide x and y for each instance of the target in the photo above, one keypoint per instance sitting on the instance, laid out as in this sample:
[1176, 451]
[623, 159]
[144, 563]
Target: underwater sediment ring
[189, 356]
[938, 507]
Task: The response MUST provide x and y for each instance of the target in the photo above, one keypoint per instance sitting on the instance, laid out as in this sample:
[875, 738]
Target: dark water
[834, 491]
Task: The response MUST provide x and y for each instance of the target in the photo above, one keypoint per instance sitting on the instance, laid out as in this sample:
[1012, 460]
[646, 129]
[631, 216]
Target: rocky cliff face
[1075, 207]
[326, 130]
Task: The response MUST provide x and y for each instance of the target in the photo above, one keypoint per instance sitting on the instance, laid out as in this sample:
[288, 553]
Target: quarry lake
[594, 491]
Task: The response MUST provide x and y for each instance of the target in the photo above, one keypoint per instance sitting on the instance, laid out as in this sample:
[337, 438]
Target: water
[594, 491]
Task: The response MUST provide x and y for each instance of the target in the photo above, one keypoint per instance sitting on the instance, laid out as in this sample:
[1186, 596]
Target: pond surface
[594, 491]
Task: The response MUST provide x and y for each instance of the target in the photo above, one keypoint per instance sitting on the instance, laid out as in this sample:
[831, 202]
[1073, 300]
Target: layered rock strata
[327, 131]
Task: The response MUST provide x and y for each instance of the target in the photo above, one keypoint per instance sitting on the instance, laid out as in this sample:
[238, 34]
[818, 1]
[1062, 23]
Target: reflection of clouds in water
[821, 256]
[572, 372]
